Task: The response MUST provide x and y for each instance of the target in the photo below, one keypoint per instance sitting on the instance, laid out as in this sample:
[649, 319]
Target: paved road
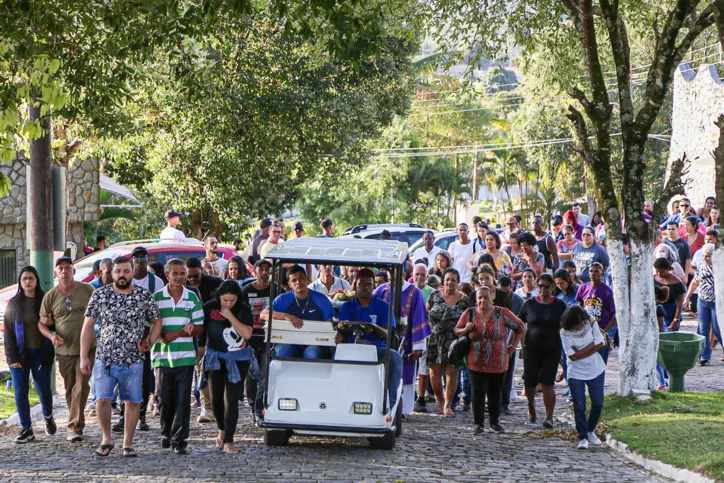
[431, 449]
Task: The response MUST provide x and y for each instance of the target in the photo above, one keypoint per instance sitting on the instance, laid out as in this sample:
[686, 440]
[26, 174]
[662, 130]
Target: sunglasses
[140, 259]
[684, 206]
[68, 308]
[194, 276]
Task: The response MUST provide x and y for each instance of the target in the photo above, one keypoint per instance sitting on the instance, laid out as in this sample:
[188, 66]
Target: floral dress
[442, 319]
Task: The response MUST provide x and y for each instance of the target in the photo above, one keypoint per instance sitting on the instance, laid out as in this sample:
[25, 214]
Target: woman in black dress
[542, 346]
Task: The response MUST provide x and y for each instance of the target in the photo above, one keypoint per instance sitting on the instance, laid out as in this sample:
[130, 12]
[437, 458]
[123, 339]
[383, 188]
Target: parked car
[442, 241]
[157, 252]
[408, 233]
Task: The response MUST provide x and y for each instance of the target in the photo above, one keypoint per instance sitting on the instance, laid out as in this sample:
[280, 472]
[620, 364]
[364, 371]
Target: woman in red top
[571, 218]
[487, 360]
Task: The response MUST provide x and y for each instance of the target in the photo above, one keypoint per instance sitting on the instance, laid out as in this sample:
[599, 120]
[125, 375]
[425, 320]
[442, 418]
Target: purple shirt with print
[598, 302]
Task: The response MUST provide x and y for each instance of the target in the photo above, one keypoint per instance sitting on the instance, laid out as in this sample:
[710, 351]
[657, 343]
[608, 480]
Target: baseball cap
[265, 223]
[172, 213]
[262, 261]
[298, 226]
[62, 260]
[556, 220]
[326, 223]
[139, 251]
[365, 272]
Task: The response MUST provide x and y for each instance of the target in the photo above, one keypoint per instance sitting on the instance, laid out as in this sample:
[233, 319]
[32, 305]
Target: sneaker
[663, 387]
[466, 408]
[25, 436]
[704, 362]
[142, 425]
[165, 443]
[119, 427]
[92, 412]
[180, 450]
[75, 437]
[115, 409]
[203, 417]
[582, 444]
[497, 428]
[513, 396]
[593, 439]
[50, 427]
[420, 406]
[567, 393]
[252, 417]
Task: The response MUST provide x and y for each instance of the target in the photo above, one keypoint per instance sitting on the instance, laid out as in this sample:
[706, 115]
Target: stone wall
[698, 101]
[83, 184]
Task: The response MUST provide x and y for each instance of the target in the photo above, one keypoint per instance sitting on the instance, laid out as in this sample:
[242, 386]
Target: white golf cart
[343, 397]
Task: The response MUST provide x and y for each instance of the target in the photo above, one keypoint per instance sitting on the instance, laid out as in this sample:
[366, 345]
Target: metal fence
[8, 268]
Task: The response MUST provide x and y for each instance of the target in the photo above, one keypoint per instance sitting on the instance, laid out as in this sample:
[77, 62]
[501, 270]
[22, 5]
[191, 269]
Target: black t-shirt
[220, 335]
[502, 299]
[258, 300]
[543, 320]
[256, 245]
[684, 252]
[675, 289]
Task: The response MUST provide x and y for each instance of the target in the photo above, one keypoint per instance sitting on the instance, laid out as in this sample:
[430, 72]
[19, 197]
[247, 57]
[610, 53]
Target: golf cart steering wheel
[358, 329]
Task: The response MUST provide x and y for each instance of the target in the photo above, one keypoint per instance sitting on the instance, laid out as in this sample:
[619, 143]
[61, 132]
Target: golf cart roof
[340, 251]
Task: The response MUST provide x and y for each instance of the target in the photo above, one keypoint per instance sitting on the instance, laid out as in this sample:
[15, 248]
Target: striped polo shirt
[174, 316]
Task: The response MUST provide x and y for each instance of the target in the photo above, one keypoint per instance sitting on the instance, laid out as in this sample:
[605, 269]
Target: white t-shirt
[339, 284]
[592, 366]
[170, 233]
[144, 283]
[268, 245]
[220, 265]
[526, 295]
[422, 252]
[461, 254]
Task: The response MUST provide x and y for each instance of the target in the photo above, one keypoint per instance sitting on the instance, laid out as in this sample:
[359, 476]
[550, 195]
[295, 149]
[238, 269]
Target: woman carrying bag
[582, 339]
[487, 358]
[26, 351]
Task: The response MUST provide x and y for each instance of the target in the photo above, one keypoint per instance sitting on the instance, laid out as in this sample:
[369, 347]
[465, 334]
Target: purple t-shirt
[598, 302]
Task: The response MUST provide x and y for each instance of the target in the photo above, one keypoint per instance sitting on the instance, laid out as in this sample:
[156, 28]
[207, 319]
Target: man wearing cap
[374, 311]
[257, 294]
[211, 245]
[275, 238]
[173, 218]
[63, 308]
[298, 230]
[417, 330]
[259, 241]
[327, 229]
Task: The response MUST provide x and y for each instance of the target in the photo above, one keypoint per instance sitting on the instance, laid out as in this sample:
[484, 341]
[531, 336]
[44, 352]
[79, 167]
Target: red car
[157, 252]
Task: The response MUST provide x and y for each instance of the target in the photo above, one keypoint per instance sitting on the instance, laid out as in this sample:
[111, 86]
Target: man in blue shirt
[366, 308]
[298, 305]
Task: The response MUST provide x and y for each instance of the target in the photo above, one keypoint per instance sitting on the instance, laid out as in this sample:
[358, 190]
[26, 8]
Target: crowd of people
[152, 335]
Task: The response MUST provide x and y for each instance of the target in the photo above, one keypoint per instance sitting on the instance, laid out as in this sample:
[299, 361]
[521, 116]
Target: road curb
[14, 419]
[655, 466]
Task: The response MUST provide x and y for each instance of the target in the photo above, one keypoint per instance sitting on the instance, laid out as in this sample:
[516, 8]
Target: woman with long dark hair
[228, 323]
[26, 351]
[443, 261]
[236, 270]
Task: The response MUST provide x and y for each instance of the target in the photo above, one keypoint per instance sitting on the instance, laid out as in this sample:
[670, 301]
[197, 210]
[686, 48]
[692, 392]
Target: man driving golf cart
[366, 308]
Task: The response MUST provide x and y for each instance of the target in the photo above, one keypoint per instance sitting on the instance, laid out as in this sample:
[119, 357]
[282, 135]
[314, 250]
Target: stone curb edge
[15, 419]
[660, 468]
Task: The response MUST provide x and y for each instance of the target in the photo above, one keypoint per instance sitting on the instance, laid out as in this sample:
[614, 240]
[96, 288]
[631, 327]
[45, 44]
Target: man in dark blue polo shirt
[366, 308]
[298, 305]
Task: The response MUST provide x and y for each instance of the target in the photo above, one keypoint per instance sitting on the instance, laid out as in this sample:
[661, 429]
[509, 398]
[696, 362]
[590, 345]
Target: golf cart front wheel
[276, 437]
[385, 442]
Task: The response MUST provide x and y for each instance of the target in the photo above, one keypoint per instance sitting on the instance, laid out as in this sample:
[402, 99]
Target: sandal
[129, 453]
[548, 424]
[532, 416]
[230, 449]
[104, 449]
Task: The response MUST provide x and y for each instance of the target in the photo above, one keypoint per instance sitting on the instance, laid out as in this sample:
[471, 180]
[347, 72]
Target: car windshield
[84, 266]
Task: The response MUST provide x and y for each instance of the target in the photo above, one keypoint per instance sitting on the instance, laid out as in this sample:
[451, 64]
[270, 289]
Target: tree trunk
[40, 221]
[636, 317]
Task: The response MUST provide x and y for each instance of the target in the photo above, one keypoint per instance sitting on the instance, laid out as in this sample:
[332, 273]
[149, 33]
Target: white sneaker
[593, 439]
[582, 444]
[513, 396]
[203, 417]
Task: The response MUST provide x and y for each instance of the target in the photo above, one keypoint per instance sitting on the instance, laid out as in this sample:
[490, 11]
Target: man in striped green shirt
[182, 318]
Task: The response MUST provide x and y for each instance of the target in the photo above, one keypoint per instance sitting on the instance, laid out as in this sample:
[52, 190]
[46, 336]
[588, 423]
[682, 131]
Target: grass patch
[7, 402]
[682, 429]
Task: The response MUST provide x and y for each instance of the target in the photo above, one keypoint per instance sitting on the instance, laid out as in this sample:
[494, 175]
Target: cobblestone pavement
[432, 448]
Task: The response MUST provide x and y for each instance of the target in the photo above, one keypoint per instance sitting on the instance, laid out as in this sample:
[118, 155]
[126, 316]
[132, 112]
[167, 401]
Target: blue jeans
[21, 384]
[578, 392]
[395, 372]
[706, 313]
[128, 379]
[303, 351]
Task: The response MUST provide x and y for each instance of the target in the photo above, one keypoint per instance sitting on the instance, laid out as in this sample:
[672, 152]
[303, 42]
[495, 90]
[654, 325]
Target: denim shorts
[129, 379]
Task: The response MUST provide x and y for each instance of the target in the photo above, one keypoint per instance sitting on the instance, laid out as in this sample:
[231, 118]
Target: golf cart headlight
[362, 408]
[287, 404]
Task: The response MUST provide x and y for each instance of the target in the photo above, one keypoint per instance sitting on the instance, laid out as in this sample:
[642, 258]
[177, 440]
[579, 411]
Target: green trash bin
[679, 352]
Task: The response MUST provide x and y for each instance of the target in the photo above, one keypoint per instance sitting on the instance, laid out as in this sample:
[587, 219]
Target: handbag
[461, 346]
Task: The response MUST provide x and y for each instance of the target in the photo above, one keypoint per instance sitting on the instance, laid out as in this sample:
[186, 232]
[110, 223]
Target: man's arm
[44, 327]
[86, 340]
[553, 249]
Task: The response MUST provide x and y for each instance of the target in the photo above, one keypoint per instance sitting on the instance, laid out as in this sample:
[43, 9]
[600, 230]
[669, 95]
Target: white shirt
[268, 246]
[170, 233]
[592, 366]
[339, 284]
[220, 265]
[143, 283]
[584, 220]
[526, 295]
[422, 252]
[461, 254]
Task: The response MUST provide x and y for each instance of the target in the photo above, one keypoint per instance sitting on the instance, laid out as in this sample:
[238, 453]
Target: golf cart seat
[311, 333]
